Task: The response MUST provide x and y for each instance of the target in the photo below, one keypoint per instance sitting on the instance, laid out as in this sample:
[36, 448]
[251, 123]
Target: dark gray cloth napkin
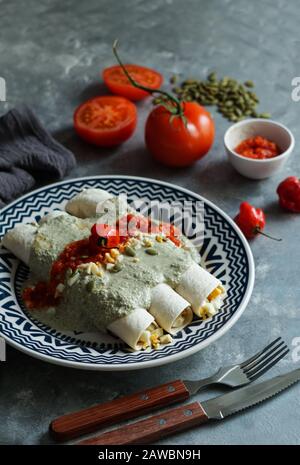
[28, 153]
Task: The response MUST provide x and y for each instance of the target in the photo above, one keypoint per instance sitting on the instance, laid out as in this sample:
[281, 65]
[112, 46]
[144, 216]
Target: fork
[123, 408]
[245, 372]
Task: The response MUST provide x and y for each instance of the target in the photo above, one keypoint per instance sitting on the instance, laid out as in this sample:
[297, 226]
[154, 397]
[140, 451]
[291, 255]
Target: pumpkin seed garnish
[264, 115]
[118, 267]
[129, 251]
[233, 99]
[151, 252]
[212, 77]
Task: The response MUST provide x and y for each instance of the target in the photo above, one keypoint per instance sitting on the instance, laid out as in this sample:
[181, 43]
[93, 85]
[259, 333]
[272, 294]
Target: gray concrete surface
[51, 54]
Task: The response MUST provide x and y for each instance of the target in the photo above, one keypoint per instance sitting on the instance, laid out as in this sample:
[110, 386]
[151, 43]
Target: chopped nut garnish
[159, 239]
[114, 253]
[148, 243]
[59, 289]
[108, 258]
[207, 311]
[92, 268]
[109, 266]
[73, 279]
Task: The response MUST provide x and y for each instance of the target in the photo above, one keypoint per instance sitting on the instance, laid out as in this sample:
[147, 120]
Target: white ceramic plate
[224, 252]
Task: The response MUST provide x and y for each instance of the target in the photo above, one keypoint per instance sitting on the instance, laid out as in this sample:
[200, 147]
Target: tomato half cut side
[105, 121]
[118, 83]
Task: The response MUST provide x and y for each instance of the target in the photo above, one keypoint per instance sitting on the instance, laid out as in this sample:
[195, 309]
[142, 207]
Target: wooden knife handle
[123, 408]
[153, 428]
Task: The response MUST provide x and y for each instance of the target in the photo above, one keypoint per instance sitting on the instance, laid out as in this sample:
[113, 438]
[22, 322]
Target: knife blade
[240, 399]
[184, 417]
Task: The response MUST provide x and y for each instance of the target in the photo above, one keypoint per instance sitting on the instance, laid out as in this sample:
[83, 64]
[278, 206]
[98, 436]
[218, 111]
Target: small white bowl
[275, 132]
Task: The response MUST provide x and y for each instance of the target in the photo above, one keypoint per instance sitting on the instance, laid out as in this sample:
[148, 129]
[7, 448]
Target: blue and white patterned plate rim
[181, 353]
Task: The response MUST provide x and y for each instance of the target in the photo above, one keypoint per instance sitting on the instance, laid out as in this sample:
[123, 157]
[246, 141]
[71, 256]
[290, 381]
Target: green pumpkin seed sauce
[90, 302]
[51, 239]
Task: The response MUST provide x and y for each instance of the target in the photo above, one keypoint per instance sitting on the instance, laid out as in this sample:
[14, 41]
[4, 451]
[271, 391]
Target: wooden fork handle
[153, 428]
[89, 420]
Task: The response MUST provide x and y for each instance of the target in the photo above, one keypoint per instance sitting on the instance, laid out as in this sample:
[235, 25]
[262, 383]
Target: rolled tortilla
[196, 286]
[50, 216]
[132, 328]
[84, 204]
[19, 241]
[170, 310]
[112, 209]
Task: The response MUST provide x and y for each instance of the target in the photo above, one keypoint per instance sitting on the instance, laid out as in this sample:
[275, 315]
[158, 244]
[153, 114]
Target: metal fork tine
[253, 369]
[264, 362]
[256, 356]
[240, 375]
[265, 356]
[267, 367]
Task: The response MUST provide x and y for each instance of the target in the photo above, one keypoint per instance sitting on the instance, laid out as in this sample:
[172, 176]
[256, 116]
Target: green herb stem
[259, 231]
[175, 110]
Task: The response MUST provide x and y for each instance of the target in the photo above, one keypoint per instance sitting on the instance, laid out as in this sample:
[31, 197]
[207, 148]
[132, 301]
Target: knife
[188, 416]
[88, 420]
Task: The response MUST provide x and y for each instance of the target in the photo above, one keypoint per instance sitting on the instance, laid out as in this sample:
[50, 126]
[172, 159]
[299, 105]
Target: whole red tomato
[177, 141]
[177, 133]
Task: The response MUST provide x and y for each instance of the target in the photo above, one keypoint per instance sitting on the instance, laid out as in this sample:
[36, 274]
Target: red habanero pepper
[289, 194]
[251, 221]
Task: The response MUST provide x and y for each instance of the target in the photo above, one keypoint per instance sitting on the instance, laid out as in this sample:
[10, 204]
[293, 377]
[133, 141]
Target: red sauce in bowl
[258, 148]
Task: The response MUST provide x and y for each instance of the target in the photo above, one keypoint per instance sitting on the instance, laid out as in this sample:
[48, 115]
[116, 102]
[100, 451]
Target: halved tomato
[118, 83]
[106, 120]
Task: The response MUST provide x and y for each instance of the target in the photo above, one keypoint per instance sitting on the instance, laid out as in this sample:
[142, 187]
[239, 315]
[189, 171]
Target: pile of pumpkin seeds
[234, 100]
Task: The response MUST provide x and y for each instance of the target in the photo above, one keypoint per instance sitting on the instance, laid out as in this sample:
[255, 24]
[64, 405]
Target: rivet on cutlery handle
[91, 419]
[153, 428]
